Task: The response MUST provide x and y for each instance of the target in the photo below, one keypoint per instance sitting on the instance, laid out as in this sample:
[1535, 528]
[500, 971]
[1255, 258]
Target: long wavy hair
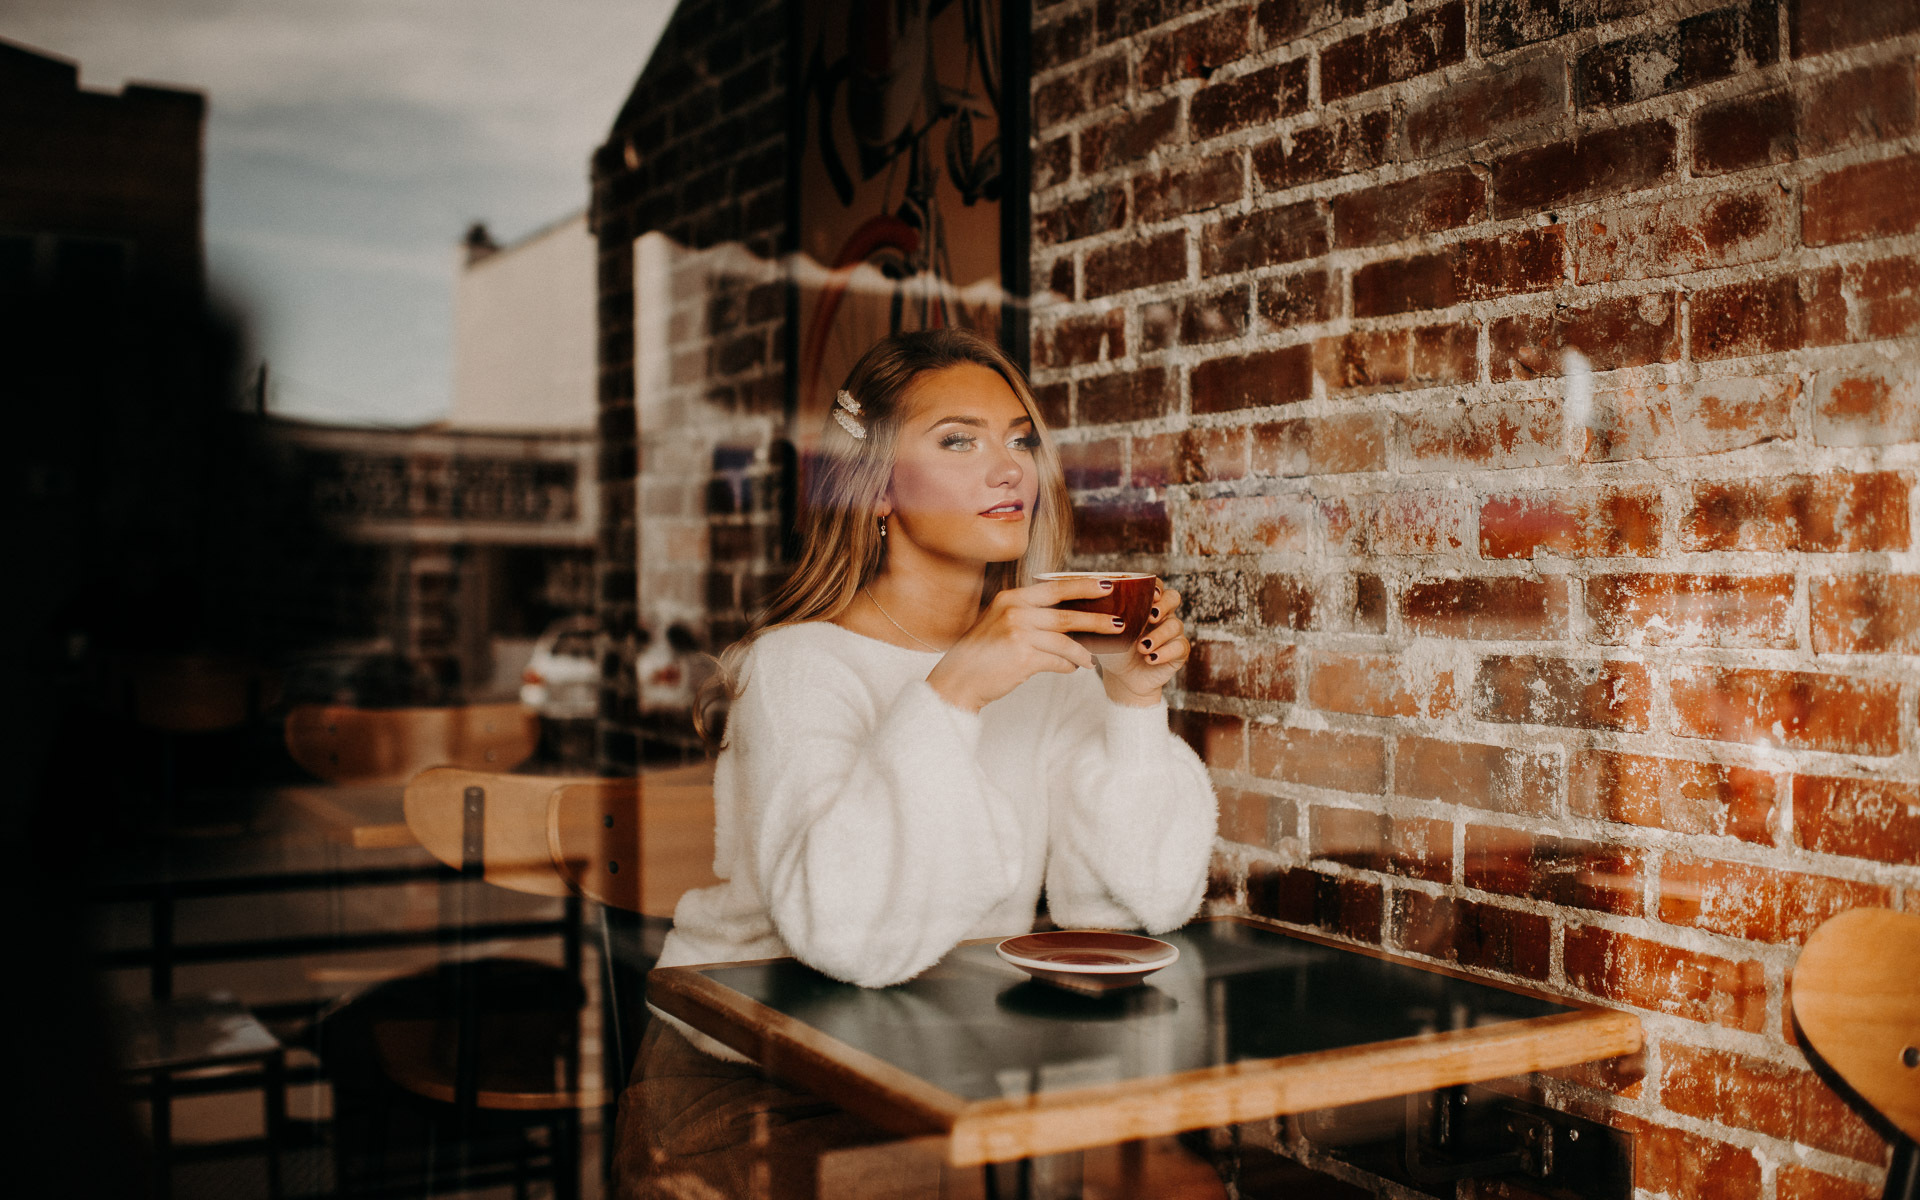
[841, 548]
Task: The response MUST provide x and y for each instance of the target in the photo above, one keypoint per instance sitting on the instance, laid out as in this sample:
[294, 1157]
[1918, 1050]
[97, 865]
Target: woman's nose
[1006, 468]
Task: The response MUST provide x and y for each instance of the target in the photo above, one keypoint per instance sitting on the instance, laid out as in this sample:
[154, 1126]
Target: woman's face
[964, 477]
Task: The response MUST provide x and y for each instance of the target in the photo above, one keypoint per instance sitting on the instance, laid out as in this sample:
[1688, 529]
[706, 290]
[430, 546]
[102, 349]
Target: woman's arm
[877, 842]
[1131, 819]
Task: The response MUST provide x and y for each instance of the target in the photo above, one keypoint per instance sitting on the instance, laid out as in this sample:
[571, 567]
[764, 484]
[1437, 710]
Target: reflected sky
[349, 144]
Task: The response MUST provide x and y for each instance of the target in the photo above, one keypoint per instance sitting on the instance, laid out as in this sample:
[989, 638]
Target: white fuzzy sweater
[866, 826]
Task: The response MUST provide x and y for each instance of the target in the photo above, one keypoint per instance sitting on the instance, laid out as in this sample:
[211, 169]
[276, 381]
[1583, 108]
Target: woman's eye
[1030, 442]
[957, 441]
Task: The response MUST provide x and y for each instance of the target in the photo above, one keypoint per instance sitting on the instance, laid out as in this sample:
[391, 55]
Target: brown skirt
[695, 1126]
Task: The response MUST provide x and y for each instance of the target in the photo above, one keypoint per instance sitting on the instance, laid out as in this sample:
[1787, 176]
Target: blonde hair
[841, 548]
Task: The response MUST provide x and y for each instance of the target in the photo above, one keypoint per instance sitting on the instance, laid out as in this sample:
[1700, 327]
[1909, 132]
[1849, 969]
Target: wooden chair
[1856, 1000]
[343, 744]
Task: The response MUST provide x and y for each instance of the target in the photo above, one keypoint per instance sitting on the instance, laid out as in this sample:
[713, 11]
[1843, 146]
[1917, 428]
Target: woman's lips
[1012, 510]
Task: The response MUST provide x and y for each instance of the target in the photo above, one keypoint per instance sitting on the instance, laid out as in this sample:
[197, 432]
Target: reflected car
[562, 678]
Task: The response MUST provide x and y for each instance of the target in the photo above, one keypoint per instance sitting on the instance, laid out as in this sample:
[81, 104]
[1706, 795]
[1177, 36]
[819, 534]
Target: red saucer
[1088, 960]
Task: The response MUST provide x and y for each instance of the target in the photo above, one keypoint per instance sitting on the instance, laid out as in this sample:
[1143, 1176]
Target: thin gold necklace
[898, 625]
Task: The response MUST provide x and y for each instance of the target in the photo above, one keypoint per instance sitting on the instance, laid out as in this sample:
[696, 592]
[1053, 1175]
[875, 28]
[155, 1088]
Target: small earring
[883, 529]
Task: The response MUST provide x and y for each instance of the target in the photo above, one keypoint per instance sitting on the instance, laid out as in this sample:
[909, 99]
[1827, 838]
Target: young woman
[916, 749]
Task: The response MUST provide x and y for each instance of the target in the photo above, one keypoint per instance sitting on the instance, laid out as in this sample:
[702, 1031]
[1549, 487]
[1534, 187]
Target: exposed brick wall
[1598, 688]
[697, 155]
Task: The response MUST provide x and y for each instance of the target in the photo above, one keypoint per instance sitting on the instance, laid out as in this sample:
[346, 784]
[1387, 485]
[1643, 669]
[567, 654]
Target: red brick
[1531, 690]
[1156, 460]
[1056, 403]
[1372, 841]
[1798, 710]
[1392, 358]
[1190, 187]
[1673, 420]
[1261, 379]
[1886, 295]
[1247, 816]
[1691, 233]
[1246, 524]
[1519, 782]
[1093, 464]
[1600, 163]
[1369, 613]
[1432, 522]
[1350, 908]
[1572, 523]
[1766, 316]
[1060, 42]
[1700, 49]
[1125, 396]
[1136, 262]
[1692, 610]
[1093, 87]
[1284, 20]
[1287, 602]
[1758, 904]
[1484, 436]
[1726, 1088]
[1867, 200]
[1116, 19]
[1562, 871]
[1136, 527]
[1478, 269]
[1052, 163]
[1061, 280]
[1125, 139]
[1326, 151]
[1686, 1166]
[1805, 1183]
[1255, 98]
[1867, 104]
[1494, 102]
[1867, 613]
[1860, 818]
[1213, 317]
[1090, 337]
[1410, 208]
[1263, 238]
[1301, 299]
[1194, 50]
[1818, 514]
[1486, 937]
[1249, 670]
[1320, 445]
[1755, 130]
[1203, 455]
[1325, 758]
[1682, 983]
[1625, 331]
[1496, 608]
[1220, 739]
[1421, 43]
[1100, 211]
[1819, 26]
[1666, 793]
[1378, 685]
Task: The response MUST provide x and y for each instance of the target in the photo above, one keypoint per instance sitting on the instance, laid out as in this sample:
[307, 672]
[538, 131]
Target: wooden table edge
[999, 1130]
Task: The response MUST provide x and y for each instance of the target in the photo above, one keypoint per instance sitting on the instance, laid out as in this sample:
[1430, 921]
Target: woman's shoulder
[819, 649]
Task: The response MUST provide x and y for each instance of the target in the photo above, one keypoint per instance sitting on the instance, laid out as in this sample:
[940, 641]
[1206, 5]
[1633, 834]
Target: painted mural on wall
[901, 174]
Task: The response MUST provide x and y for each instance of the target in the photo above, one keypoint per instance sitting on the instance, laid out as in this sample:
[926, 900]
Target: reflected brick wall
[698, 155]
[1600, 685]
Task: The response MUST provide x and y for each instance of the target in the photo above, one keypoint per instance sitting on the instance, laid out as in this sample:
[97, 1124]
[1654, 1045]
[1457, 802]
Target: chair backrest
[633, 844]
[1856, 997]
[343, 744]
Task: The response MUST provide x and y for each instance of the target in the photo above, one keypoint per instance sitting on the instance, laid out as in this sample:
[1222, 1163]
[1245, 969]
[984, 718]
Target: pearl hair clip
[845, 407]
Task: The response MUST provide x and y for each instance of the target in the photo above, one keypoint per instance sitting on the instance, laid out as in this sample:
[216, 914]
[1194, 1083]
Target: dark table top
[1251, 1012]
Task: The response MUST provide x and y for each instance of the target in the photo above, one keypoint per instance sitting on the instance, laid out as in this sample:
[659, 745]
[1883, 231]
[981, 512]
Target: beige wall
[523, 355]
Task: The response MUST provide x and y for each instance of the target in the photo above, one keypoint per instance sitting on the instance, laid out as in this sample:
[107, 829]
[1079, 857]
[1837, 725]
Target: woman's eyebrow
[978, 422]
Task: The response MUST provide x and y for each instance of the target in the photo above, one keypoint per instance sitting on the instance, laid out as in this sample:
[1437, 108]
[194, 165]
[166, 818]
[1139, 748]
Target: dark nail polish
[1154, 657]
[1118, 623]
[1154, 615]
[1146, 643]
[1106, 585]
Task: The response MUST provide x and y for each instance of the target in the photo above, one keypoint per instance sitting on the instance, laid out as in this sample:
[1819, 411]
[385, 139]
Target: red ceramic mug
[1131, 600]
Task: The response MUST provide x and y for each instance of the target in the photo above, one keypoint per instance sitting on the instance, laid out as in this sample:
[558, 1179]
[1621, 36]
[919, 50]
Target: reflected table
[1252, 1022]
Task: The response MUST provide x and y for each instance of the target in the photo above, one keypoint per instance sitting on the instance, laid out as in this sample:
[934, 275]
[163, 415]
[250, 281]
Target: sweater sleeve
[876, 841]
[1132, 816]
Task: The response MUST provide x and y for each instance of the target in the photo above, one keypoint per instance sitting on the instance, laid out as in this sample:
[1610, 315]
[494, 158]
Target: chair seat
[514, 1076]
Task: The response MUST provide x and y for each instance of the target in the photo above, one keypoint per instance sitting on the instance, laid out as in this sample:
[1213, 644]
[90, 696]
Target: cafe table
[1251, 1022]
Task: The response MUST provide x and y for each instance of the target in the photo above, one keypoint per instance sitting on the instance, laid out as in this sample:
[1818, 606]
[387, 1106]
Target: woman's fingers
[1164, 604]
[1170, 653]
[1050, 592]
[1072, 620]
[1066, 654]
[1162, 633]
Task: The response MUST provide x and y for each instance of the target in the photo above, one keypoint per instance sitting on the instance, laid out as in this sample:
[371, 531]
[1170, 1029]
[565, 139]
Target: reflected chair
[343, 744]
[1856, 1001]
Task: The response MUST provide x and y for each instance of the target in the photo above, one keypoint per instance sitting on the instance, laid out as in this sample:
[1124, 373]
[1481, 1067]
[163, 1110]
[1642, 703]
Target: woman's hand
[1019, 634]
[1137, 676]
